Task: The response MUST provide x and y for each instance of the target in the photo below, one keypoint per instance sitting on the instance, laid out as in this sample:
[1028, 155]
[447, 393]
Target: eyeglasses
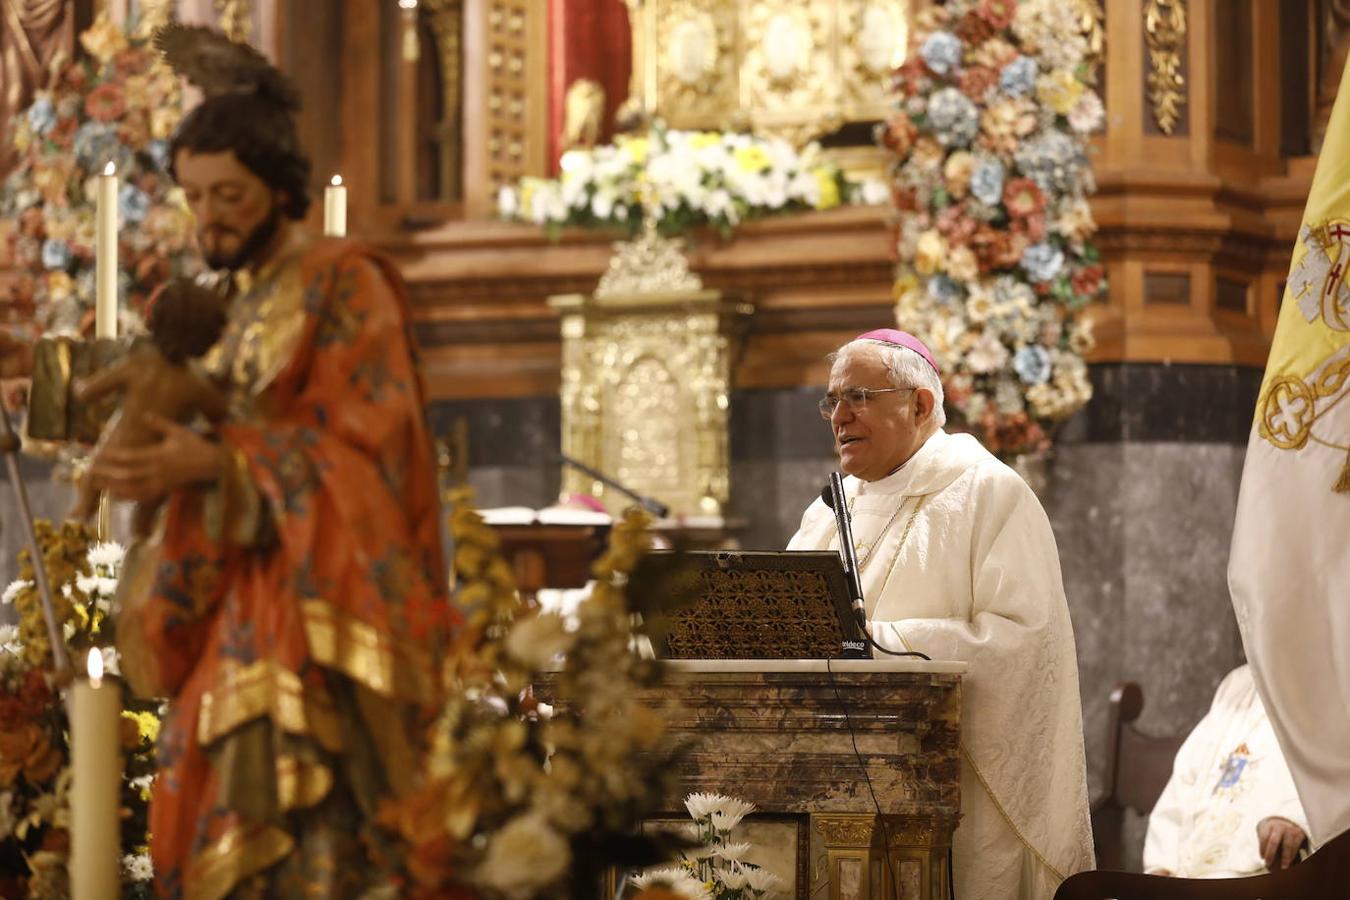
[855, 397]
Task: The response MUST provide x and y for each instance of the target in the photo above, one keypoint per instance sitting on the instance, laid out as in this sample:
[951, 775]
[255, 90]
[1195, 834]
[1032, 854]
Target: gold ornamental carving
[235, 18]
[646, 381]
[652, 264]
[845, 830]
[796, 69]
[1165, 36]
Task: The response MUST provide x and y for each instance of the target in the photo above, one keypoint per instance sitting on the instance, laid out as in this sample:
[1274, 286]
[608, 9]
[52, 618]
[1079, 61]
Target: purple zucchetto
[897, 338]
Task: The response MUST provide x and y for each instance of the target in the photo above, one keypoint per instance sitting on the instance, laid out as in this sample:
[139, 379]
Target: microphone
[652, 505]
[833, 495]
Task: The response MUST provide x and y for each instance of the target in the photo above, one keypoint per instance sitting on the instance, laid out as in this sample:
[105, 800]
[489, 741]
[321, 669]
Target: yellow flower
[23, 137]
[163, 120]
[829, 188]
[752, 158]
[930, 255]
[957, 171]
[1060, 90]
[147, 724]
[904, 285]
[103, 40]
[636, 148]
[705, 139]
[59, 285]
[962, 265]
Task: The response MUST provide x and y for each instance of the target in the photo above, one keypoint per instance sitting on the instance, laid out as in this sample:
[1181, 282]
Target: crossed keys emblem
[1291, 405]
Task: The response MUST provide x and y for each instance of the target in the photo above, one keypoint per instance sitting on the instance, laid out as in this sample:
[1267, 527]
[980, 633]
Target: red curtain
[587, 39]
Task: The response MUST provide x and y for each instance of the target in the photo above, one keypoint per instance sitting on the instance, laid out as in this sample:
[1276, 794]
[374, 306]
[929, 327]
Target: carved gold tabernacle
[792, 68]
[646, 379]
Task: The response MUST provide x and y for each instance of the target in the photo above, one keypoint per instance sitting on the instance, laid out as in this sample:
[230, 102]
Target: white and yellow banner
[1290, 566]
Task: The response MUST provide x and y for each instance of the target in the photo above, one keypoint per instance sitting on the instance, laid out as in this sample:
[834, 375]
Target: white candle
[95, 791]
[335, 208]
[105, 255]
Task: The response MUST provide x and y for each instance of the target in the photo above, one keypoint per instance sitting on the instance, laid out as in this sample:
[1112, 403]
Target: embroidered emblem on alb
[1233, 768]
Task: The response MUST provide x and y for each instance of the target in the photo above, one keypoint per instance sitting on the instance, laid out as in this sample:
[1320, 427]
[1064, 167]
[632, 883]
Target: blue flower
[1042, 261]
[159, 153]
[941, 52]
[95, 144]
[132, 203]
[1018, 77]
[42, 115]
[1032, 364]
[954, 119]
[944, 290]
[986, 182]
[55, 254]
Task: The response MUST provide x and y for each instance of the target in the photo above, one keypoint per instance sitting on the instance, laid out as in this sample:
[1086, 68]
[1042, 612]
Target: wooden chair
[1323, 876]
[1137, 769]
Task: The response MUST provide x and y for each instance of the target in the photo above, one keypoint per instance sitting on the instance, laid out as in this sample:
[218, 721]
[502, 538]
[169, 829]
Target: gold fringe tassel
[1342, 485]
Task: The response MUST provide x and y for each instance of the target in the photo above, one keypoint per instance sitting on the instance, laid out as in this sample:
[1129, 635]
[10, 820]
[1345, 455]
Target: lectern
[782, 734]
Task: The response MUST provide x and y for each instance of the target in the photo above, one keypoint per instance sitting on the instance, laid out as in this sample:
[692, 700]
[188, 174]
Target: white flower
[508, 202]
[1086, 115]
[9, 642]
[539, 640]
[87, 583]
[732, 878]
[107, 555]
[12, 590]
[524, 857]
[110, 661]
[874, 192]
[677, 880]
[732, 852]
[138, 867]
[731, 813]
[761, 881]
[988, 355]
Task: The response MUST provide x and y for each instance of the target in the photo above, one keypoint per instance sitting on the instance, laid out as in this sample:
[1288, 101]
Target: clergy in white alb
[958, 561]
[1230, 808]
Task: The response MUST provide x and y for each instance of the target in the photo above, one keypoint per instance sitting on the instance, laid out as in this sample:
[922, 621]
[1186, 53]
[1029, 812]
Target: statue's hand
[16, 357]
[182, 457]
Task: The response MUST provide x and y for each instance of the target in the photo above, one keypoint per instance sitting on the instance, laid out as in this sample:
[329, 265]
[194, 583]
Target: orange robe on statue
[295, 613]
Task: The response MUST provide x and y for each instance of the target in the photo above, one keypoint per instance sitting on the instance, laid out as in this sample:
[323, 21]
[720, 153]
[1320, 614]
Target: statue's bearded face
[237, 212]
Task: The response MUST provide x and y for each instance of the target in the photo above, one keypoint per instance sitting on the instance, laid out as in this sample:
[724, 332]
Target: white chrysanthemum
[110, 661]
[732, 877]
[12, 590]
[137, 867]
[731, 813]
[9, 639]
[108, 554]
[733, 852]
[761, 881]
[677, 880]
[87, 583]
[524, 857]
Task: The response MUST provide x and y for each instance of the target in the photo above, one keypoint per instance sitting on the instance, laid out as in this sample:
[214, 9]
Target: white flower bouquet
[685, 179]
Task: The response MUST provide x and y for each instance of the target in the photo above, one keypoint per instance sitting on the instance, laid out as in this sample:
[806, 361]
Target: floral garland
[119, 104]
[35, 771]
[991, 177]
[687, 179]
[719, 868]
[519, 800]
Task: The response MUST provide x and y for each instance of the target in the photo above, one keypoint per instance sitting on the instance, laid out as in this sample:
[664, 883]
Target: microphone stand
[9, 446]
[653, 506]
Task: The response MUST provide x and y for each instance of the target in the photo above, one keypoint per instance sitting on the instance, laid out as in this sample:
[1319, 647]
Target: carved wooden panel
[1234, 71]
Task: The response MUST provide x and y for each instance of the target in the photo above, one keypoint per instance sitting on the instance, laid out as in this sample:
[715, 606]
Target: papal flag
[1289, 571]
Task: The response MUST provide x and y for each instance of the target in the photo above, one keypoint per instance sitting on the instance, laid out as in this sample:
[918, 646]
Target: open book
[549, 515]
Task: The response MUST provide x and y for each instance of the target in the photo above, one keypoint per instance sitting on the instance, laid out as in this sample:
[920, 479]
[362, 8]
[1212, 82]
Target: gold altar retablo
[646, 380]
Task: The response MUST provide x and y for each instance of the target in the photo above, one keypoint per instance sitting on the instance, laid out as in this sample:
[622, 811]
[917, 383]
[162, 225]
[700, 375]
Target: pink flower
[998, 13]
[105, 103]
[1087, 281]
[1023, 198]
[976, 81]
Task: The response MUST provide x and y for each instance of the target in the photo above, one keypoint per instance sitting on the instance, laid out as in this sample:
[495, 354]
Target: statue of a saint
[291, 599]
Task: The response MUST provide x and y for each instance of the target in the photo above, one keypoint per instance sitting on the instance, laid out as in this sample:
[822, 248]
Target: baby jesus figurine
[156, 377]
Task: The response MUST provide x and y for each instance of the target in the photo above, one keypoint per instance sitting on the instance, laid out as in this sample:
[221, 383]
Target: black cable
[881, 820]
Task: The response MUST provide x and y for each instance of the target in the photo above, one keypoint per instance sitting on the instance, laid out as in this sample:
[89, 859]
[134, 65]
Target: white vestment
[1228, 776]
[958, 561]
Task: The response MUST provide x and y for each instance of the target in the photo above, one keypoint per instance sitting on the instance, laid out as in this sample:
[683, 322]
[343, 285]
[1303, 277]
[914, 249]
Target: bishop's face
[237, 212]
[874, 441]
